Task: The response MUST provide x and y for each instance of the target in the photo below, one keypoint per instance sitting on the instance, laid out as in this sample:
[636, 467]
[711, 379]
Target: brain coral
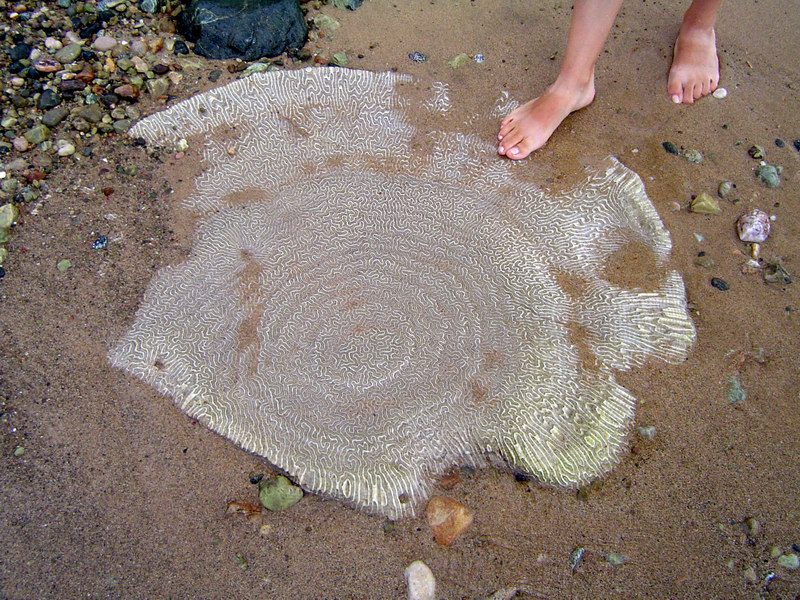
[365, 312]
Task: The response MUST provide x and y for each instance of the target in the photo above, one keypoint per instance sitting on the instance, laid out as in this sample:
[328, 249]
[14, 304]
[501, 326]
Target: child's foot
[695, 66]
[530, 126]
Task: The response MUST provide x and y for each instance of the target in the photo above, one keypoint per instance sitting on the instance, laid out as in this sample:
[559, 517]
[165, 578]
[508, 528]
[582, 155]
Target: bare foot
[530, 126]
[695, 66]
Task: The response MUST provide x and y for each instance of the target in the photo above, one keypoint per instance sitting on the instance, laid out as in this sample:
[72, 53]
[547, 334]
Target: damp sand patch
[365, 311]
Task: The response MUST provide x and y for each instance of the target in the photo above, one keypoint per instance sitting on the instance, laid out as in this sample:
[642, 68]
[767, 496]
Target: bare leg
[695, 66]
[531, 125]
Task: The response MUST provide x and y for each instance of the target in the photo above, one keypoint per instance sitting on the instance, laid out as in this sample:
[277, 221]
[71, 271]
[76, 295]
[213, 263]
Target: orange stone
[448, 519]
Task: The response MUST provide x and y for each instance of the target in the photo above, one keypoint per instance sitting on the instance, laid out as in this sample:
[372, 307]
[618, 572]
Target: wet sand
[119, 495]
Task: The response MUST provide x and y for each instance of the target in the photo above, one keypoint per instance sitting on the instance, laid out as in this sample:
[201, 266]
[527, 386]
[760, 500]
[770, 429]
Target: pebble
[19, 52]
[48, 99]
[19, 451]
[480, 59]
[789, 561]
[720, 284]
[725, 188]
[720, 93]
[127, 91]
[157, 87]
[648, 432]
[47, 65]
[704, 261]
[417, 57]
[670, 148]
[278, 493]
[705, 204]
[100, 243]
[447, 518]
[780, 143]
[576, 558]
[756, 152]
[64, 265]
[616, 559]
[122, 125]
[54, 116]
[753, 527]
[8, 214]
[104, 43]
[420, 581]
[52, 44]
[750, 575]
[736, 393]
[37, 134]
[91, 112]
[65, 148]
[69, 54]
[693, 156]
[20, 144]
[796, 145]
[769, 175]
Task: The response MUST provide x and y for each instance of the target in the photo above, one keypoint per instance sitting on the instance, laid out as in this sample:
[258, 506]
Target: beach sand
[119, 495]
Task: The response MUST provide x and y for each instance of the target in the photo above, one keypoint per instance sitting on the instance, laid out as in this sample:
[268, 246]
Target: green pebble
[458, 61]
[775, 552]
[616, 559]
[64, 264]
[4, 235]
[69, 53]
[278, 493]
[789, 561]
[705, 204]
[756, 152]
[339, 59]
[19, 451]
[3, 255]
[37, 134]
[693, 156]
[769, 175]
[8, 214]
[736, 393]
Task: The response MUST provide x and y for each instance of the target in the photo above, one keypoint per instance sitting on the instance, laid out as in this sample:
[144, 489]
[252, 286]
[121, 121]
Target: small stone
[725, 188]
[458, 61]
[754, 226]
[705, 204]
[789, 561]
[182, 145]
[480, 59]
[48, 99]
[19, 52]
[278, 493]
[774, 272]
[65, 148]
[750, 575]
[720, 284]
[720, 93]
[325, 24]
[648, 432]
[64, 264]
[242, 561]
[70, 86]
[104, 43]
[91, 112]
[796, 145]
[447, 518]
[693, 156]
[3, 255]
[753, 527]
[420, 581]
[417, 57]
[38, 134]
[576, 558]
[20, 144]
[140, 65]
[19, 451]
[736, 393]
[160, 69]
[149, 6]
[122, 125]
[769, 175]
[704, 261]
[780, 143]
[8, 214]
[756, 152]
[339, 59]
[127, 91]
[157, 87]
[100, 243]
[69, 54]
[775, 551]
[615, 559]
[54, 116]
[180, 48]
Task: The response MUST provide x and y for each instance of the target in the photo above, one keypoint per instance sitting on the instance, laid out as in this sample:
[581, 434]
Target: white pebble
[52, 43]
[753, 226]
[65, 148]
[420, 581]
[720, 93]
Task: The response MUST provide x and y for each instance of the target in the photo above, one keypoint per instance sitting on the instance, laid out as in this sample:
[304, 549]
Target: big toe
[521, 150]
[675, 90]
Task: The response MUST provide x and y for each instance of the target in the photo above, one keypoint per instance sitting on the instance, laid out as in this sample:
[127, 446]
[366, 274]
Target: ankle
[697, 23]
[571, 84]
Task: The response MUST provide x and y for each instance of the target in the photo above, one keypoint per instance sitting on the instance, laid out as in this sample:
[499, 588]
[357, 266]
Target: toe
[521, 150]
[675, 90]
[504, 129]
[513, 138]
[713, 84]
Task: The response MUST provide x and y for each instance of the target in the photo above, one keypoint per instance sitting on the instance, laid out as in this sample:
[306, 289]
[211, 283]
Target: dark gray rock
[246, 29]
[49, 99]
[54, 116]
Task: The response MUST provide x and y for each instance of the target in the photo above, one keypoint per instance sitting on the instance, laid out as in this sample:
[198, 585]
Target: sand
[119, 495]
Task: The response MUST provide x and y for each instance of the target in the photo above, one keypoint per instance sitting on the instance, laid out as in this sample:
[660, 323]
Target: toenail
[676, 99]
[515, 151]
[501, 150]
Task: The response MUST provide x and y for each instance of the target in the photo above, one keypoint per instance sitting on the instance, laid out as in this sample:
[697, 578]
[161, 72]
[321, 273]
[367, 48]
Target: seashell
[720, 93]
[753, 226]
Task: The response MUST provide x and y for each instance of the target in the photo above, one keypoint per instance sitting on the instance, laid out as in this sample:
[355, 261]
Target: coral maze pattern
[365, 315]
